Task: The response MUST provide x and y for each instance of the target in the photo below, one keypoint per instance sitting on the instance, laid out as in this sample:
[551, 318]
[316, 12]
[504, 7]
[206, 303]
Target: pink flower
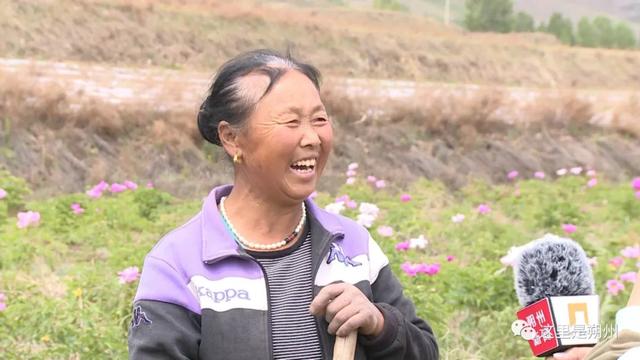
[385, 231]
[636, 184]
[450, 258]
[512, 174]
[410, 269]
[457, 218]
[96, 191]
[128, 275]
[3, 306]
[402, 246]
[102, 186]
[616, 262]
[593, 261]
[117, 188]
[593, 182]
[351, 173]
[29, 218]
[576, 170]
[313, 195]
[380, 184]
[343, 198]
[3, 193]
[591, 173]
[638, 195]
[561, 172]
[614, 287]
[130, 185]
[539, 175]
[150, 185]
[351, 204]
[569, 228]
[483, 209]
[353, 166]
[429, 269]
[351, 181]
[630, 276]
[77, 209]
[405, 197]
[371, 179]
[631, 252]
[3, 300]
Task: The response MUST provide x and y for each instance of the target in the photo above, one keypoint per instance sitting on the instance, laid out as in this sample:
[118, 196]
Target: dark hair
[228, 101]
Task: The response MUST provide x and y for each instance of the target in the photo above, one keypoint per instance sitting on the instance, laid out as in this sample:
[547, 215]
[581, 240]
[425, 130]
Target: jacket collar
[218, 243]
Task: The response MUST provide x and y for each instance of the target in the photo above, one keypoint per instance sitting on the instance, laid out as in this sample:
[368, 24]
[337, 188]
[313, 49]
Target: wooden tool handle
[634, 299]
[345, 347]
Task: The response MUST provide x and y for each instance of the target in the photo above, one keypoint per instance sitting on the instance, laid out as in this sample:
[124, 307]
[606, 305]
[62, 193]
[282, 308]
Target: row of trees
[498, 16]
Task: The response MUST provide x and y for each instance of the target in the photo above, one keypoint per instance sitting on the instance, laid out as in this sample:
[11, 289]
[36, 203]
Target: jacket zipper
[321, 334]
[266, 282]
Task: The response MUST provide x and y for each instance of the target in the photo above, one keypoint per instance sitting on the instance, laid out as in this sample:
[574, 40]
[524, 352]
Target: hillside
[541, 10]
[341, 41]
[116, 79]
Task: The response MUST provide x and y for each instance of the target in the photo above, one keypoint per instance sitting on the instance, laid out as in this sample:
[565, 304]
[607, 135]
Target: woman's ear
[228, 138]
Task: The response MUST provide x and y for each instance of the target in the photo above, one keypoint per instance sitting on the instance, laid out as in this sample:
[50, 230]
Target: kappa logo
[139, 317]
[223, 296]
[336, 253]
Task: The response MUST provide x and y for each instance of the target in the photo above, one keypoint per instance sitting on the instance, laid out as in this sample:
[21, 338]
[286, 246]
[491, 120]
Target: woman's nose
[310, 136]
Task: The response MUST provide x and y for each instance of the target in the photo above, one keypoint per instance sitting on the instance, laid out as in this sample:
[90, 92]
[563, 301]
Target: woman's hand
[576, 353]
[347, 309]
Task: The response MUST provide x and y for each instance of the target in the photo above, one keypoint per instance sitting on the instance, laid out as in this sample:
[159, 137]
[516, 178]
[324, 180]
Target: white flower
[512, 255]
[420, 242]
[368, 208]
[365, 220]
[576, 170]
[335, 208]
[457, 218]
[561, 172]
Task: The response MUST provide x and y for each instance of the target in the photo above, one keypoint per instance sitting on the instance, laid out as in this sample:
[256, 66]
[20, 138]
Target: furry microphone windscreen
[552, 266]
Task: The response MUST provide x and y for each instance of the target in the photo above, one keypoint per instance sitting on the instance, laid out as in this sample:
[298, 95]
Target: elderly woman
[262, 272]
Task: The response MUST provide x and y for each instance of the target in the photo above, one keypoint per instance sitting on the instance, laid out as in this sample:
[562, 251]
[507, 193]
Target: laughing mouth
[304, 166]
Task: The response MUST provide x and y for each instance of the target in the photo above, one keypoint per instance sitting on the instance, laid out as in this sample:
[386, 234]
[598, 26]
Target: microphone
[554, 284]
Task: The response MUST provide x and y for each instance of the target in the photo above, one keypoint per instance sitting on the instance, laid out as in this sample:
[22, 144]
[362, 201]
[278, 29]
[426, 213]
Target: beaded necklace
[248, 244]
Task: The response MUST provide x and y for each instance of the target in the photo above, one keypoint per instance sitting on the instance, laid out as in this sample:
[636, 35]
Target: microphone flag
[557, 323]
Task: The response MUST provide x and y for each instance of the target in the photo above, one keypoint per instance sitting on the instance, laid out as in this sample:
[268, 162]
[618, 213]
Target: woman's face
[287, 141]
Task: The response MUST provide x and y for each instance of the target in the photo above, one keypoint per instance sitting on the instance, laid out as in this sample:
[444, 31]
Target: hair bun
[207, 124]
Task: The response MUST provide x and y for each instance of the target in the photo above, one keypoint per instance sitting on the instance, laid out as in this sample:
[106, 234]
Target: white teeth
[308, 162]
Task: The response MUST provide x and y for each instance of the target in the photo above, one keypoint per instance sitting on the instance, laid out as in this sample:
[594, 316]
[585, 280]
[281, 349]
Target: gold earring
[237, 158]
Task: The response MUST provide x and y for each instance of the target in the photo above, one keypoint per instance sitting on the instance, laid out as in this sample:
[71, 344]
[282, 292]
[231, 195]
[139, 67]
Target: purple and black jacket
[202, 297]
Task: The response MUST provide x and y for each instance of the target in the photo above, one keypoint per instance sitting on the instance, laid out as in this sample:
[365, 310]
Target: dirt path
[183, 89]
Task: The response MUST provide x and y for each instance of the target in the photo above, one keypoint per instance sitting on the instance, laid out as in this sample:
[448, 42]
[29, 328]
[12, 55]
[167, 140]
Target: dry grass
[61, 142]
[341, 42]
[52, 108]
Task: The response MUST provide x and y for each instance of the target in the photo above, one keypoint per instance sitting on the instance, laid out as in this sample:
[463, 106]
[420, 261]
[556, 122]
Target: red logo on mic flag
[538, 316]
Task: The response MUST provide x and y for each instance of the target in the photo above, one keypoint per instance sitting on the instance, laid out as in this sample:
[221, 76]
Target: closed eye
[320, 120]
